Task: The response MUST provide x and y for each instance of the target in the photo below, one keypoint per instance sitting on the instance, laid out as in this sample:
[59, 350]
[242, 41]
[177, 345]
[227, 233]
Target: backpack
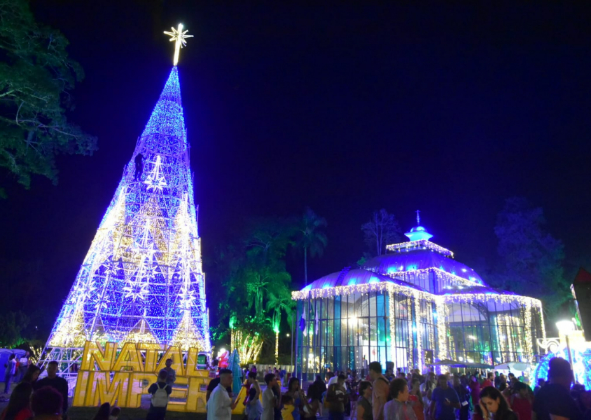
[160, 397]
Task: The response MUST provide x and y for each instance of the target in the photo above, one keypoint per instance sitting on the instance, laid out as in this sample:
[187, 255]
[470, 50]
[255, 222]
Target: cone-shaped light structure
[142, 276]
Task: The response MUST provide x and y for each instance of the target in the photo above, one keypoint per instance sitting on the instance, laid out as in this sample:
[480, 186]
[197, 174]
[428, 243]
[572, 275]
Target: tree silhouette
[311, 238]
[36, 79]
[381, 230]
[531, 258]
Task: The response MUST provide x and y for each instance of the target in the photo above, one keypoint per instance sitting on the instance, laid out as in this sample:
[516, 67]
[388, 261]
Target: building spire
[179, 36]
[418, 233]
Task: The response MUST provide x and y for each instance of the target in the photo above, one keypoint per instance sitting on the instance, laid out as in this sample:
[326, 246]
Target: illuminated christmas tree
[142, 278]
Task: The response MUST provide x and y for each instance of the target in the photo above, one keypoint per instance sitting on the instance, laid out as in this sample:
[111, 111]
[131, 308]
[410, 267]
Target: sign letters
[121, 378]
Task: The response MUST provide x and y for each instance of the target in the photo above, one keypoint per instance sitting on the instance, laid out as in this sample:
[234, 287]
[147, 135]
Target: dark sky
[345, 108]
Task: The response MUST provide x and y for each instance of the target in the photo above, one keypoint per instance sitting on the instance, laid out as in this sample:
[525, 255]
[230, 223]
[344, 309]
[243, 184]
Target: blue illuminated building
[142, 278]
[408, 308]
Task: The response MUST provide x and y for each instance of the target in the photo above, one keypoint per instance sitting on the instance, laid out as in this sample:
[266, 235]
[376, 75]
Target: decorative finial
[418, 233]
[179, 36]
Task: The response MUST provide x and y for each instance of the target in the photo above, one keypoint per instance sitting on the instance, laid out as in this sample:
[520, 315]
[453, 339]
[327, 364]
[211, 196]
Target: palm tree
[279, 301]
[311, 237]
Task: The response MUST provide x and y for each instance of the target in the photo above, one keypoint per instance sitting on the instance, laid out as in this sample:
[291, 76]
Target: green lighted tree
[255, 282]
[36, 80]
[12, 326]
[279, 302]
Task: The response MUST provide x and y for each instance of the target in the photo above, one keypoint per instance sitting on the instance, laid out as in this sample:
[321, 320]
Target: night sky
[340, 107]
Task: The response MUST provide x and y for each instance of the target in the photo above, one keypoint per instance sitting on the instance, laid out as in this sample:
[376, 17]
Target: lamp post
[564, 329]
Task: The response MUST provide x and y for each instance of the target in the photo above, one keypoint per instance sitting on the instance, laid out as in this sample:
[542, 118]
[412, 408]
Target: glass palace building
[411, 307]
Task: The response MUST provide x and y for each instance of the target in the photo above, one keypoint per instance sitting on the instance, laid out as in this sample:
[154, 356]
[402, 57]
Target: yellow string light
[441, 302]
[187, 336]
[441, 329]
[419, 333]
[409, 354]
[248, 347]
[392, 327]
[142, 335]
[421, 244]
[71, 331]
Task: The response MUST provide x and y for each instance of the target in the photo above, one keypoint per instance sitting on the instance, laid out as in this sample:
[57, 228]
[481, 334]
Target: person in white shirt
[23, 365]
[9, 372]
[270, 400]
[219, 405]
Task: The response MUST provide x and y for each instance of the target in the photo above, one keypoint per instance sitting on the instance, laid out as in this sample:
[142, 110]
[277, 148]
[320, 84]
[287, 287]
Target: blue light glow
[418, 233]
[142, 279]
[581, 365]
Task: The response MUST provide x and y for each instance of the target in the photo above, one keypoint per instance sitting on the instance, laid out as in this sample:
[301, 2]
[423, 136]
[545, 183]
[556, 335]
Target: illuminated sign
[121, 378]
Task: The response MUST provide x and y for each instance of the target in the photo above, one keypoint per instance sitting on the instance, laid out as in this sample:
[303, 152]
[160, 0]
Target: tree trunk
[277, 348]
[306, 266]
[377, 241]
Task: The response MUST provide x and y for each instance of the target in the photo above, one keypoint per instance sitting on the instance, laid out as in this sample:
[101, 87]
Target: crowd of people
[376, 396]
[413, 396]
[47, 398]
[15, 369]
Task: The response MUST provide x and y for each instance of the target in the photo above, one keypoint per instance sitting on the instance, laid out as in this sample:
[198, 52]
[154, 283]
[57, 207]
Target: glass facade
[401, 331]
[492, 331]
[408, 309]
[353, 330]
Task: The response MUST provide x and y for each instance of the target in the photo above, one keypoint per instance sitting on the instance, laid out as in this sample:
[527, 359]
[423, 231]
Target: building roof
[347, 277]
[419, 259]
[403, 260]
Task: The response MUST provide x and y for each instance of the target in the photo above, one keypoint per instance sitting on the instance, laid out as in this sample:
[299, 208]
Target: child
[115, 411]
[287, 410]
[160, 392]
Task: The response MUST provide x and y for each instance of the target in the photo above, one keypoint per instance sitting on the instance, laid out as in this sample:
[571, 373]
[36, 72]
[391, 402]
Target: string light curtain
[412, 316]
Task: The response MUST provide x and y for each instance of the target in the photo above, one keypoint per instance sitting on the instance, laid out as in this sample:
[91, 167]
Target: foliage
[255, 282]
[36, 78]
[12, 327]
[29, 297]
[382, 229]
[247, 343]
[310, 236]
[531, 258]
[35, 353]
[280, 302]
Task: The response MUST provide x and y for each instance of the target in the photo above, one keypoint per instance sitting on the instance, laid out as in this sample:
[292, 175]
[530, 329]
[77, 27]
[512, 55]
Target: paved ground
[84, 413]
[87, 413]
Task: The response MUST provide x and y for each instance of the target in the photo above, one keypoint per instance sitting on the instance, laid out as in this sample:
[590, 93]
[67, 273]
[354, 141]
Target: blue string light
[142, 278]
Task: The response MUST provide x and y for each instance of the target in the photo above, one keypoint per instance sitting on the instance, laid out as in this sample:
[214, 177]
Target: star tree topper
[179, 36]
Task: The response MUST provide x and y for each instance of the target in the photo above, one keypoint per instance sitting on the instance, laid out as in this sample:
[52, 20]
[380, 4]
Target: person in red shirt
[416, 400]
[521, 401]
[488, 381]
[475, 390]
[19, 406]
